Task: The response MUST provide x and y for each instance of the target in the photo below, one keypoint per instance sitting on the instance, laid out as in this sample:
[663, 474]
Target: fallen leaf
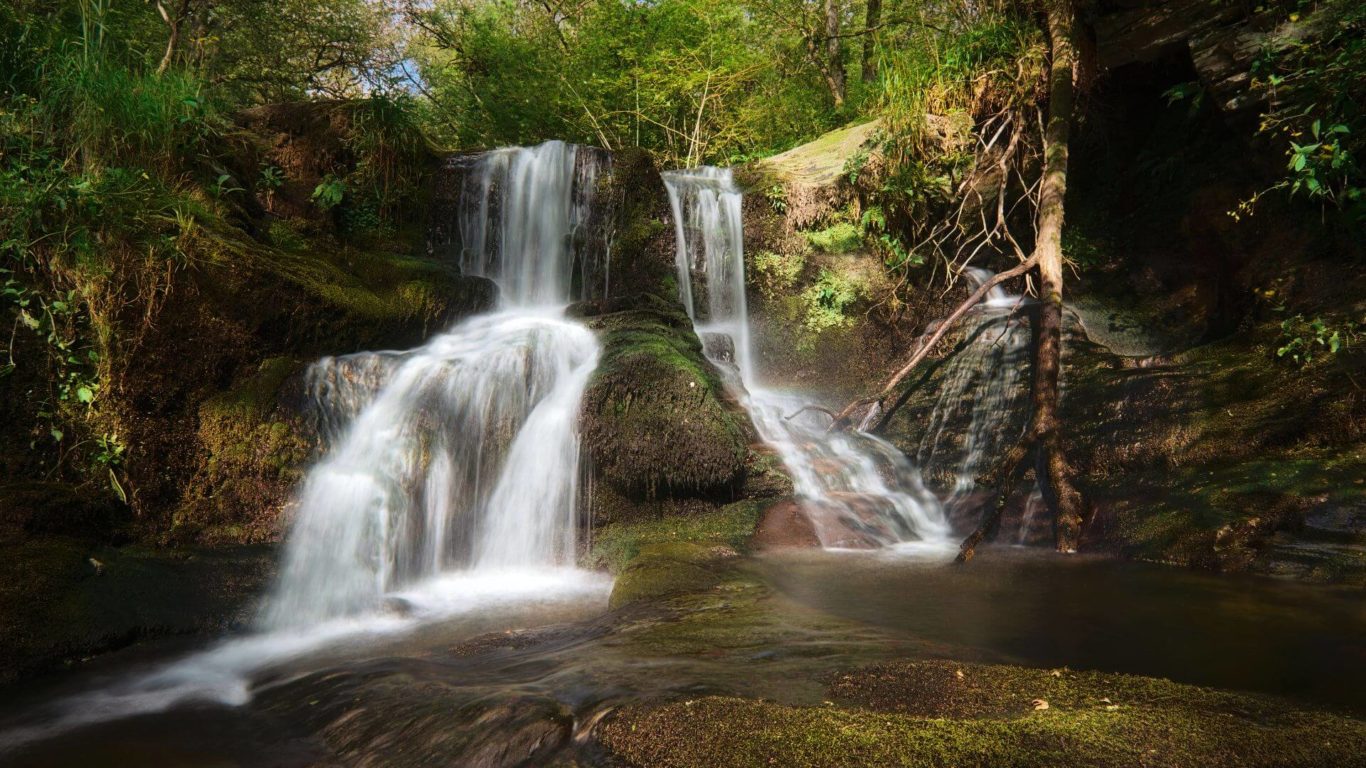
[1039, 704]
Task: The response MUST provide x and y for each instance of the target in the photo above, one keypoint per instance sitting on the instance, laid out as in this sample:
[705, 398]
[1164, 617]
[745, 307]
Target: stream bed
[532, 677]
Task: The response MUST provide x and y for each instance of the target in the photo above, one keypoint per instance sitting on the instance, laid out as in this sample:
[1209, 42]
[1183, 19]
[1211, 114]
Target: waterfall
[461, 455]
[522, 219]
[980, 397]
[709, 256]
[857, 489]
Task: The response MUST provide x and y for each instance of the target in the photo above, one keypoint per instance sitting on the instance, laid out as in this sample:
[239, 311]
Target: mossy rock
[667, 568]
[255, 441]
[642, 240]
[731, 526]
[950, 714]
[656, 421]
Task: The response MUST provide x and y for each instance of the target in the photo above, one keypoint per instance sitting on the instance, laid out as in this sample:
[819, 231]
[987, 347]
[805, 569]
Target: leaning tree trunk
[1066, 500]
[1045, 426]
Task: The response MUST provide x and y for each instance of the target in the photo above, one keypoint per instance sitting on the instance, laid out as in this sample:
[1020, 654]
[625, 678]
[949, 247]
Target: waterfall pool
[538, 673]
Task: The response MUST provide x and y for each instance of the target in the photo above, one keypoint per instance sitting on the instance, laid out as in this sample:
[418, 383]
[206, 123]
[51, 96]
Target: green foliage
[329, 192]
[840, 237]
[777, 273]
[1302, 340]
[777, 198]
[828, 299]
[693, 80]
[1316, 87]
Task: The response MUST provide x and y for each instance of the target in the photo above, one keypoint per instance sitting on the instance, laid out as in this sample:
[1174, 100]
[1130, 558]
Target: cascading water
[465, 455]
[980, 398]
[857, 489]
[452, 480]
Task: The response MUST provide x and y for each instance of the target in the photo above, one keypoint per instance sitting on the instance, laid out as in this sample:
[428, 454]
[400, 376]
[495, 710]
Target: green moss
[731, 526]
[841, 237]
[663, 569]
[948, 714]
[656, 420]
[252, 455]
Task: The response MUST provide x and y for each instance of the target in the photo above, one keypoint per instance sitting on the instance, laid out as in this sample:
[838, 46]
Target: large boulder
[656, 418]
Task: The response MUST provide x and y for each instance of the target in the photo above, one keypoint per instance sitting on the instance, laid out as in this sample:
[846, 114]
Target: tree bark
[834, 53]
[872, 20]
[173, 37]
[1046, 429]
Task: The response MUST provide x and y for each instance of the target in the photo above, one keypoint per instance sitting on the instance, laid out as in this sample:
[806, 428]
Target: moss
[821, 161]
[655, 418]
[841, 237]
[663, 569]
[948, 714]
[253, 454]
[730, 526]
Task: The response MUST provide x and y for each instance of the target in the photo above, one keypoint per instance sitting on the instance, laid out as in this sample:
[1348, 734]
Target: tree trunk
[834, 53]
[173, 36]
[870, 38]
[1046, 427]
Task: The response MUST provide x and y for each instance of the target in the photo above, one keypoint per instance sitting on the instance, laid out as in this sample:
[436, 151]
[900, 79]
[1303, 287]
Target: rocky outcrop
[656, 419]
[1222, 41]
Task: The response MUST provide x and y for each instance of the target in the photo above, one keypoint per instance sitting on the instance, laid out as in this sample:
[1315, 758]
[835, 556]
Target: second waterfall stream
[858, 490]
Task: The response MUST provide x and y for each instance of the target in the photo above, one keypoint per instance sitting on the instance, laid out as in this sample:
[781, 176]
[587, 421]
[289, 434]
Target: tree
[1043, 437]
[834, 53]
[871, 21]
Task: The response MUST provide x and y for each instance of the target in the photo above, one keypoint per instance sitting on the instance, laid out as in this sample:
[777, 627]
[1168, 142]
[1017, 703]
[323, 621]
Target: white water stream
[857, 489]
[452, 480]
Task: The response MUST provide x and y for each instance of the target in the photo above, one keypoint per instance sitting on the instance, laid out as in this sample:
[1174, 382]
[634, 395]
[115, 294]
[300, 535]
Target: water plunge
[981, 397]
[857, 489]
[462, 454]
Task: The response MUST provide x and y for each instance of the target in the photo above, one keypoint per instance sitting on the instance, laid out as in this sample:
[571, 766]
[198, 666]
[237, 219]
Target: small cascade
[708, 228]
[522, 218]
[461, 455]
[858, 490]
[980, 398]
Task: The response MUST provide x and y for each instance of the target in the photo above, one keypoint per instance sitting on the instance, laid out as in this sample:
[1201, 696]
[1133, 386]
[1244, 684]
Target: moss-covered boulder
[656, 419]
[951, 714]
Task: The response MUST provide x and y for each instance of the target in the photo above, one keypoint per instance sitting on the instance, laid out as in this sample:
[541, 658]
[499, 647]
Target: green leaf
[57, 434]
[84, 394]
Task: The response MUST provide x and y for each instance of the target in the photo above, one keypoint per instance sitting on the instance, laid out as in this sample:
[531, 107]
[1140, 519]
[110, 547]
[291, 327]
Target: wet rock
[63, 600]
[656, 419]
[785, 526]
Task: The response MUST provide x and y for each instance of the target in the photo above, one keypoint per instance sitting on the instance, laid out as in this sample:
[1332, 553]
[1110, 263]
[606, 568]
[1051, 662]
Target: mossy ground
[950, 714]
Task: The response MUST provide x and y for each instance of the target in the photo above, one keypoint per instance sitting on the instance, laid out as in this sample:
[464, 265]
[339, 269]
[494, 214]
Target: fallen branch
[843, 418]
[804, 408]
[1007, 475]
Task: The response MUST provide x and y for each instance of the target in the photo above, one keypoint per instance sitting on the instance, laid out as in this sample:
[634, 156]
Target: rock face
[209, 401]
[1221, 40]
[63, 599]
[656, 420]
